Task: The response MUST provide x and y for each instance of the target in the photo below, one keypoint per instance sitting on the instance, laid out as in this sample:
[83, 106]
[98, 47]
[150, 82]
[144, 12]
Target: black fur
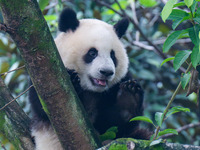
[38, 113]
[114, 107]
[112, 55]
[68, 20]
[90, 56]
[121, 27]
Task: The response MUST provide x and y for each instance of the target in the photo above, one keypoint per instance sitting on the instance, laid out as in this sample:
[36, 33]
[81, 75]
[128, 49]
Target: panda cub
[98, 66]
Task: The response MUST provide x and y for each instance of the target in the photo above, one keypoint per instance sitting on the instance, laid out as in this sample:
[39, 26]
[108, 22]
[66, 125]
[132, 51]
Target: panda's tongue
[100, 82]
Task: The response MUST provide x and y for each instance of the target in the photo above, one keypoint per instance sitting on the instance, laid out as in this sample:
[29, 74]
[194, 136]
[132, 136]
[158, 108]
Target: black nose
[106, 73]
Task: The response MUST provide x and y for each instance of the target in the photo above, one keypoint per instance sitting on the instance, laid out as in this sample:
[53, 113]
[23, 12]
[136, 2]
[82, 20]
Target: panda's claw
[74, 77]
[131, 86]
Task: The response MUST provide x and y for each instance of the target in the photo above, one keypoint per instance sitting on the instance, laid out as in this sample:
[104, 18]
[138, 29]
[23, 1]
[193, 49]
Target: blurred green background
[158, 82]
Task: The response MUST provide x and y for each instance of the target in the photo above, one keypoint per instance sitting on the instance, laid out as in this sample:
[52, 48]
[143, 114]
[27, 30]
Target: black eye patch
[112, 55]
[90, 56]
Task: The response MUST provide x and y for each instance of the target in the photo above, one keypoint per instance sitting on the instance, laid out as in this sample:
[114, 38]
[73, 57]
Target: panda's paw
[74, 77]
[132, 86]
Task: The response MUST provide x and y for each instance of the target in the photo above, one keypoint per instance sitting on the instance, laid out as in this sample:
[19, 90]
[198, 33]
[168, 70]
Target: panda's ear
[121, 27]
[68, 20]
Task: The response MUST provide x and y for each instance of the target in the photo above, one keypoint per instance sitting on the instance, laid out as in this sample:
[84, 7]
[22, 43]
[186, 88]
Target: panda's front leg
[135, 90]
[130, 104]
[130, 99]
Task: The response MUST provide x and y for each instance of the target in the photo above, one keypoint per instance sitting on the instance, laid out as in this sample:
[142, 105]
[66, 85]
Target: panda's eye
[112, 55]
[91, 54]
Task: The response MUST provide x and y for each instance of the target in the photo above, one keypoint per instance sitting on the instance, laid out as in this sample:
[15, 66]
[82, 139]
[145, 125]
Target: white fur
[46, 139]
[93, 33]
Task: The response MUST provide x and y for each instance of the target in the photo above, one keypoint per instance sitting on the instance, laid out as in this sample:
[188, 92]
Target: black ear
[121, 27]
[68, 20]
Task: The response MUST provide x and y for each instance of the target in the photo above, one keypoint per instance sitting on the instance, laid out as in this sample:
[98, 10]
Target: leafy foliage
[110, 134]
[142, 118]
[180, 58]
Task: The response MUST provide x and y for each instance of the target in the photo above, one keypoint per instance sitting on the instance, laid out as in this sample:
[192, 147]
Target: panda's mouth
[98, 82]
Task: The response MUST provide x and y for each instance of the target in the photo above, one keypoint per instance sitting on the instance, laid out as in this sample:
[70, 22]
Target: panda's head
[92, 48]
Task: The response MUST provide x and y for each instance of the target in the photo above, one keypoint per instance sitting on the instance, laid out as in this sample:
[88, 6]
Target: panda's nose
[107, 73]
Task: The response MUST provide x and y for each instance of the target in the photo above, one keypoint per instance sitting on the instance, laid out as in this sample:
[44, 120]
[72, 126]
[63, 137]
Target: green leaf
[166, 60]
[180, 58]
[167, 131]
[155, 142]
[194, 34]
[193, 7]
[167, 9]
[50, 17]
[107, 136]
[197, 20]
[195, 56]
[148, 3]
[179, 21]
[179, 4]
[142, 118]
[43, 4]
[188, 3]
[176, 110]
[159, 118]
[185, 80]
[113, 129]
[171, 39]
[198, 11]
[177, 14]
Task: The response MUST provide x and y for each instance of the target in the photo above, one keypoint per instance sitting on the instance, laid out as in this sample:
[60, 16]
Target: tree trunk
[31, 34]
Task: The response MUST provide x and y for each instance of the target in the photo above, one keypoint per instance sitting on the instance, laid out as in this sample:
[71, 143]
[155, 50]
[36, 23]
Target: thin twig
[134, 12]
[108, 6]
[137, 34]
[185, 127]
[122, 10]
[170, 102]
[16, 98]
[5, 73]
[142, 45]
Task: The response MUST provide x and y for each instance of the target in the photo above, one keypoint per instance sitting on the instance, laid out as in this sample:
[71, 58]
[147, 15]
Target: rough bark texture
[132, 144]
[32, 36]
[14, 122]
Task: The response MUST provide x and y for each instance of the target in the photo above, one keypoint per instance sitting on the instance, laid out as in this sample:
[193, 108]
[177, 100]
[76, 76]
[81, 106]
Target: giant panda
[98, 66]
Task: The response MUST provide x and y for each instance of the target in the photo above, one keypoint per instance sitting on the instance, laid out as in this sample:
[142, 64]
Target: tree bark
[49, 76]
[14, 122]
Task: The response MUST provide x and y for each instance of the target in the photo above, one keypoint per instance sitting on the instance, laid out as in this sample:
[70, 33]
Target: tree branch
[14, 121]
[185, 127]
[133, 144]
